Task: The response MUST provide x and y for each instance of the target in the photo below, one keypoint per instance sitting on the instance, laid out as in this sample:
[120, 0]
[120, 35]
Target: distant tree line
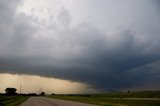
[10, 91]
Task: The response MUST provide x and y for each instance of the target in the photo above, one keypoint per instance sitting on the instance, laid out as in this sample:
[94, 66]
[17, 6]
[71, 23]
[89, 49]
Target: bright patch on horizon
[32, 84]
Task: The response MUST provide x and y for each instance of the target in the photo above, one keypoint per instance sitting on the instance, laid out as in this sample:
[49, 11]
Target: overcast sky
[110, 45]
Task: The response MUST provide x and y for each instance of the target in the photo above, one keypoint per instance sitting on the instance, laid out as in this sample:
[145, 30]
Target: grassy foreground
[114, 99]
[12, 100]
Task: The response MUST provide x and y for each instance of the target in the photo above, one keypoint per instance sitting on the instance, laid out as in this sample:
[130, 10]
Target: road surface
[42, 101]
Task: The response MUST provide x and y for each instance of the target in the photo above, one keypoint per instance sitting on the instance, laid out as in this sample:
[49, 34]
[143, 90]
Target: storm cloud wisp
[108, 44]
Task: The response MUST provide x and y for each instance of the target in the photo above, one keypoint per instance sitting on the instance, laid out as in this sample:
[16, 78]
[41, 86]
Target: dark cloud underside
[126, 57]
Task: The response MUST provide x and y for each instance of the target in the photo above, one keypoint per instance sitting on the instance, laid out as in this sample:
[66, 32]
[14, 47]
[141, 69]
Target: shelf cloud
[110, 45]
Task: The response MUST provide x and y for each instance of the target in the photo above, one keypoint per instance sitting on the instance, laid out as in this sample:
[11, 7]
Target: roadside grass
[12, 100]
[114, 99]
[143, 94]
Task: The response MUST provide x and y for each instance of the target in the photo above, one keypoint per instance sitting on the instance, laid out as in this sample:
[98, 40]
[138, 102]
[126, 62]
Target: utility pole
[20, 89]
[41, 88]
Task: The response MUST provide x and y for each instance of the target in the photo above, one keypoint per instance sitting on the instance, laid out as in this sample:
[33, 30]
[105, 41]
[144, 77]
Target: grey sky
[108, 44]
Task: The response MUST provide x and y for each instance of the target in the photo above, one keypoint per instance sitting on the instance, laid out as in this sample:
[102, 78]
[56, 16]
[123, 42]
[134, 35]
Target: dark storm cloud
[83, 52]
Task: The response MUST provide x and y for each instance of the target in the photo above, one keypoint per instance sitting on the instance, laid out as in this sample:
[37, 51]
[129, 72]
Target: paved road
[42, 101]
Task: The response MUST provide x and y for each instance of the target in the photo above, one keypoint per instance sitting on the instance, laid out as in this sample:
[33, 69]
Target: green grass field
[114, 99]
[12, 100]
[108, 99]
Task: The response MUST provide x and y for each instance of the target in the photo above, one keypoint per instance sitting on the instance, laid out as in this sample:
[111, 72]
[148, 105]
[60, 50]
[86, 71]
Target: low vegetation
[12, 100]
[115, 99]
[145, 98]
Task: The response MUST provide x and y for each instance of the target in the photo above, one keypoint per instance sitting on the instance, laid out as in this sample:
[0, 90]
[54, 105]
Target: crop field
[12, 100]
[116, 99]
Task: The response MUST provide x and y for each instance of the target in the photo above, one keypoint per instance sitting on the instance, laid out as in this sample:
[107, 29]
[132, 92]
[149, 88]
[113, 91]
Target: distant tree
[10, 91]
[53, 94]
[42, 93]
[32, 94]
